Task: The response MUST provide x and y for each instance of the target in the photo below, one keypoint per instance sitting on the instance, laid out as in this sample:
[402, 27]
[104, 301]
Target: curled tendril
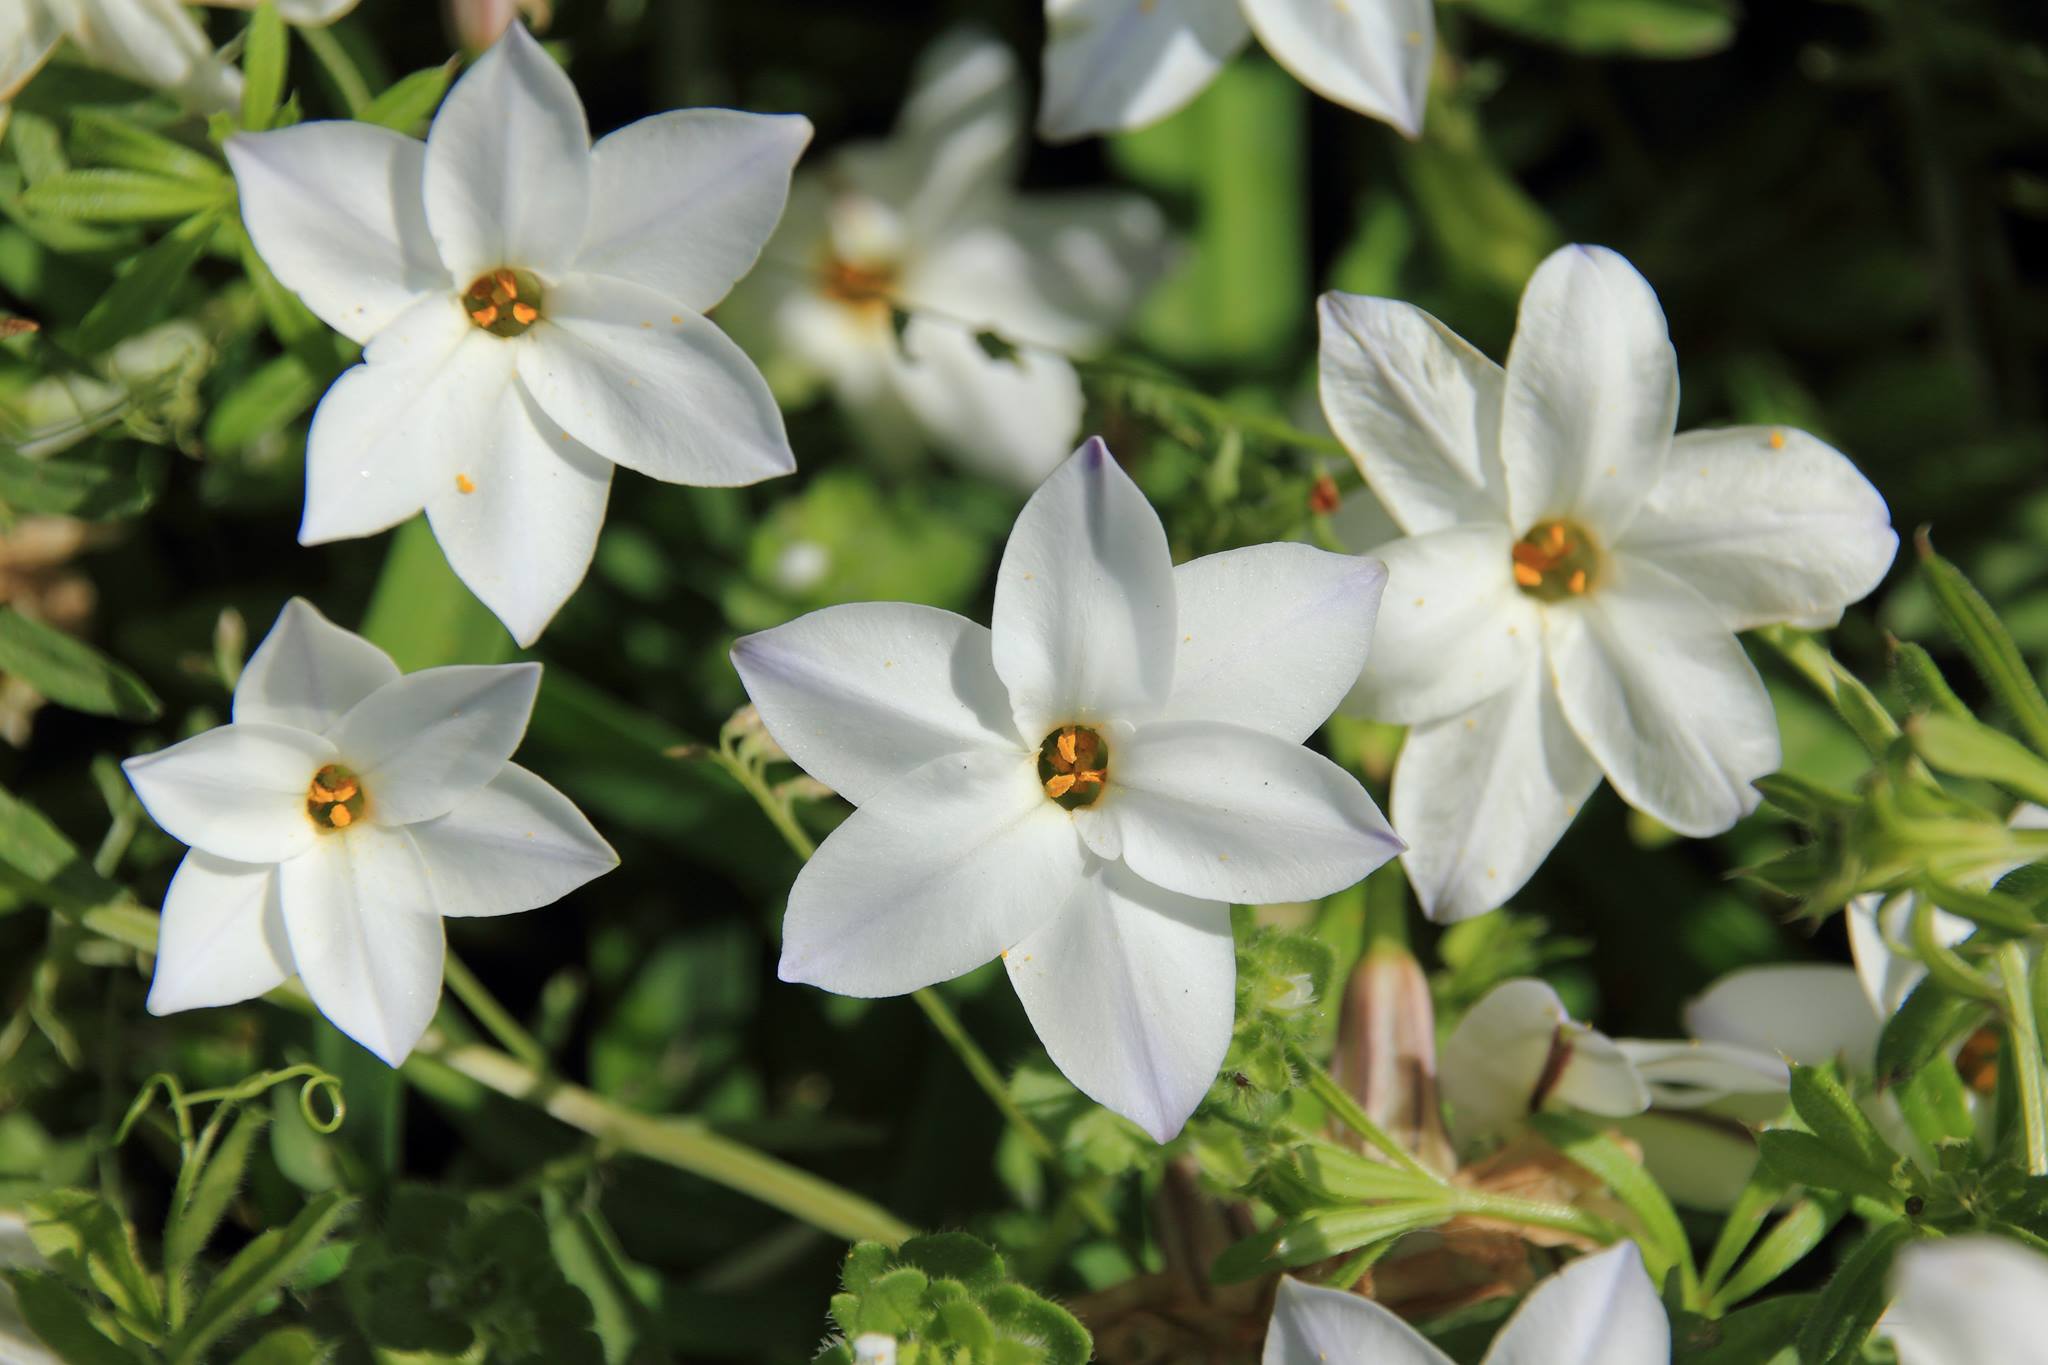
[318, 1084]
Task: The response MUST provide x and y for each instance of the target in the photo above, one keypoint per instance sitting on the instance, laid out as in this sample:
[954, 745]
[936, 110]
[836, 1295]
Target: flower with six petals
[338, 817]
[1081, 788]
[1565, 601]
[531, 310]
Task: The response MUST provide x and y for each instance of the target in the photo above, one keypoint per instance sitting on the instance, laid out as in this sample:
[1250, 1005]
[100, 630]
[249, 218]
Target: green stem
[1535, 1213]
[355, 91]
[686, 1144]
[1347, 1111]
[1217, 413]
[495, 1017]
[2025, 1037]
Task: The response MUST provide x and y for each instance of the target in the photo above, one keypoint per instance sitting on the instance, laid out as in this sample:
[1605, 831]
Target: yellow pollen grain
[464, 484]
[676, 318]
[1777, 438]
[339, 817]
[505, 281]
[1577, 582]
[524, 314]
[1059, 785]
[1066, 747]
[485, 316]
[1527, 576]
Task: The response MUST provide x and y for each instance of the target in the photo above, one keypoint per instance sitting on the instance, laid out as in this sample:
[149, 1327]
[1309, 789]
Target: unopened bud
[1386, 1052]
[476, 24]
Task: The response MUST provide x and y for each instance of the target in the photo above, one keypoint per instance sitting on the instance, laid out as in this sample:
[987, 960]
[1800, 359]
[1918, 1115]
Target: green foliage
[947, 1299]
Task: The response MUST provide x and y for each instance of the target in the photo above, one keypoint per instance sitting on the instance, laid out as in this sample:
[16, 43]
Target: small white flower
[1599, 1310]
[1566, 598]
[341, 814]
[929, 222]
[1114, 65]
[874, 1348]
[532, 313]
[1968, 1301]
[1518, 1051]
[1081, 788]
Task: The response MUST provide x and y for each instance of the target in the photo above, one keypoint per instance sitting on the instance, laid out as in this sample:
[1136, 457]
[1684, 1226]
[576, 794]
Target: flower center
[504, 302]
[1074, 765]
[335, 798]
[866, 287]
[1556, 560]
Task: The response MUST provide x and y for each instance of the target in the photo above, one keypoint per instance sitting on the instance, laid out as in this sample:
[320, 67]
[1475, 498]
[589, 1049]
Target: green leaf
[143, 292]
[1937, 1104]
[286, 1346]
[1932, 1020]
[257, 1271]
[87, 1242]
[1643, 28]
[1754, 1335]
[107, 137]
[1988, 644]
[1022, 1317]
[38, 851]
[1853, 1300]
[1490, 234]
[1838, 1121]
[1784, 1246]
[55, 1313]
[189, 1228]
[1327, 1232]
[422, 615]
[1664, 1243]
[70, 672]
[119, 196]
[1802, 1159]
[92, 488]
[266, 54]
[269, 399]
[1962, 747]
[1920, 678]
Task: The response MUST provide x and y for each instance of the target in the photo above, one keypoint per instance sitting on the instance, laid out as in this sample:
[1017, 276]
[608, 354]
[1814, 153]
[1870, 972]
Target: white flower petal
[1810, 1013]
[1271, 637]
[1373, 56]
[1083, 625]
[1230, 814]
[28, 35]
[1453, 629]
[1692, 1074]
[1888, 974]
[1501, 1051]
[1012, 418]
[1418, 408]
[957, 144]
[158, 43]
[1599, 1310]
[520, 525]
[1132, 990]
[334, 209]
[308, 672]
[1656, 686]
[1115, 65]
[1968, 1300]
[653, 386]
[1315, 1325]
[683, 202]
[391, 431]
[1702, 1161]
[513, 844]
[1483, 797]
[1592, 394]
[508, 172]
[366, 935]
[425, 742]
[237, 792]
[222, 936]
[863, 694]
[1768, 524]
[314, 13]
[937, 874]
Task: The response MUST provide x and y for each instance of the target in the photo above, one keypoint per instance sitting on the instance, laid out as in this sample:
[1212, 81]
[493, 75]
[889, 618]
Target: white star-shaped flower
[1081, 788]
[1968, 1300]
[1115, 65]
[531, 310]
[1566, 598]
[929, 223]
[1599, 1310]
[340, 815]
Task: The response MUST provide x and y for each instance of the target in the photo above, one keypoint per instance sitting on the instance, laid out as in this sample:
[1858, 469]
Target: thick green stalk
[2026, 1066]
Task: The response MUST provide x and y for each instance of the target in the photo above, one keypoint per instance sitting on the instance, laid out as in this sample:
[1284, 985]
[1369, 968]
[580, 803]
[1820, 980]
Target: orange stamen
[525, 313]
[485, 316]
[464, 484]
[1527, 575]
[1060, 785]
[339, 817]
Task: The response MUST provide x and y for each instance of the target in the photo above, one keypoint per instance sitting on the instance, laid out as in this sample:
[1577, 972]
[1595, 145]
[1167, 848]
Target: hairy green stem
[1347, 1111]
[2026, 1067]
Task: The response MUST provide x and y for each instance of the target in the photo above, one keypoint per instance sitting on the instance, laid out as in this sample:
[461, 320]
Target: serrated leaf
[1988, 644]
[70, 672]
[257, 1270]
[119, 196]
[1854, 1299]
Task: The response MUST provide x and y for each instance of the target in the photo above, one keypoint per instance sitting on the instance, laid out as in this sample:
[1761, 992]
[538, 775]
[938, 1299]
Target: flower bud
[1386, 1052]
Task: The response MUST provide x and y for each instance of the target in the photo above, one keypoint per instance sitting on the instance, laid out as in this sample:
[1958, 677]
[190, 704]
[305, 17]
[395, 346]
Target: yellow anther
[1555, 560]
[464, 484]
[1526, 575]
[504, 302]
[485, 316]
[1577, 582]
[339, 817]
[1073, 763]
[334, 798]
[1060, 784]
[1068, 739]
